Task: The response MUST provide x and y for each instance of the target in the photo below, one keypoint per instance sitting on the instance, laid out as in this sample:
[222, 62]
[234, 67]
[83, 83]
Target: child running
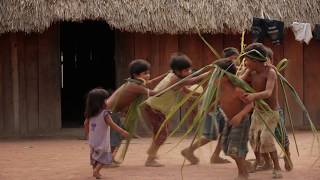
[156, 108]
[263, 79]
[135, 87]
[100, 122]
[211, 129]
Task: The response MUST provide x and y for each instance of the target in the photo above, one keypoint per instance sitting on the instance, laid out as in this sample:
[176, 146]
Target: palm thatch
[157, 16]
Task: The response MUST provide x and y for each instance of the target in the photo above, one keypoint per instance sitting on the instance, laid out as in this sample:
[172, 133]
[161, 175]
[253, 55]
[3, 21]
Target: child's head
[226, 65]
[181, 65]
[269, 54]
[231, 53]
[95, 102]
[139, 69]
[256, 55]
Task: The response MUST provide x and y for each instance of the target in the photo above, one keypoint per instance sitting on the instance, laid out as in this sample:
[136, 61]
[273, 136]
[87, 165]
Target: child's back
[99, 133]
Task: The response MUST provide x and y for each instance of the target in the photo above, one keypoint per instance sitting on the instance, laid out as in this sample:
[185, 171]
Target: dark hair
[269, 53]
[230, 51]
[180, 61]
[138, 66]
[95, 102]
[227, 65]
[251, 51]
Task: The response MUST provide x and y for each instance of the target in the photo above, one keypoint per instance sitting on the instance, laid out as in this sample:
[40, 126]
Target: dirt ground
[66, 158]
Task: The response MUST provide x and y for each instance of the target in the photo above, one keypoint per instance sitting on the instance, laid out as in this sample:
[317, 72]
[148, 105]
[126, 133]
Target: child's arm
[246, 75]
[272, 77]
[236, 120]
[195, 80]
[115, 127]
[86, 126]
[156, 80]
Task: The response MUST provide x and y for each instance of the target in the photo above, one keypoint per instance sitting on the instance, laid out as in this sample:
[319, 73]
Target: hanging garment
[316, 32]
[302, 32]
[262, 28]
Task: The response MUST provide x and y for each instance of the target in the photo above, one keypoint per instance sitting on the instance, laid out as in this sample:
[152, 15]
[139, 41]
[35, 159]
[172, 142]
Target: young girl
[99, 130]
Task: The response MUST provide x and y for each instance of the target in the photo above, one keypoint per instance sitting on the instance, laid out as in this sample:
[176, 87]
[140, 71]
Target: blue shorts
[213, 125]
[115, 137]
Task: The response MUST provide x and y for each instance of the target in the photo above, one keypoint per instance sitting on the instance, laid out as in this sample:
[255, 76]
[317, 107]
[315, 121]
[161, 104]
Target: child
[280, 131]
[263, 79]
[235, 113]
[99, 130]
[135, 87]
[156, 108]
[210, 130]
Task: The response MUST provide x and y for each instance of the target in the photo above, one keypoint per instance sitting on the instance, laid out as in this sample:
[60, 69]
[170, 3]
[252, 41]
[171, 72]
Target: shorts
[213, 125]
[261, 137]
[235, 138]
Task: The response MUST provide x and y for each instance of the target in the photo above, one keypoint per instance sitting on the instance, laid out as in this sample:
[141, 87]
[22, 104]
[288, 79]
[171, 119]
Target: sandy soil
[68, 159]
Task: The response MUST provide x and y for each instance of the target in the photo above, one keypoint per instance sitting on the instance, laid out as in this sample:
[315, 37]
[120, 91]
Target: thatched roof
[159, 16]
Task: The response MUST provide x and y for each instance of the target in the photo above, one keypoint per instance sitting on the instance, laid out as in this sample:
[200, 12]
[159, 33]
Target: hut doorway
[87, 61]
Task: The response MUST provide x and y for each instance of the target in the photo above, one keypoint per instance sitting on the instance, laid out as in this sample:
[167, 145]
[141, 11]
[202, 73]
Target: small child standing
[100, 122]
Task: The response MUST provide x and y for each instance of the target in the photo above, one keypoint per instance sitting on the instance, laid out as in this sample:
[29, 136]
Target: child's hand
[125, 134]
[249, 97]
[236, 120]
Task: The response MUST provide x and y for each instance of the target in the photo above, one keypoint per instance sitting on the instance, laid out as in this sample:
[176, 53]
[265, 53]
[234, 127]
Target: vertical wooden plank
[232, 40]
[4, 57]
[168, 44]
[191, 45]
[154, 55]
[312, 80]
[23, 128]
[15, 82]
[32, 83]
[216, 41]
[124, 53]
[49, 80]
[294, 73]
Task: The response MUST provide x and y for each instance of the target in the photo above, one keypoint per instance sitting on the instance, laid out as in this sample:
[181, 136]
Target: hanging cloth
[302, 31]
[316, 32]
[262, 28]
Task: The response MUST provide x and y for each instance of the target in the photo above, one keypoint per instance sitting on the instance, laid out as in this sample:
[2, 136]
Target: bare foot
[151, 162]
[265, 167]
[186, 153]
[250, 167]
[96, 174]
[219, 160]
[276, 174]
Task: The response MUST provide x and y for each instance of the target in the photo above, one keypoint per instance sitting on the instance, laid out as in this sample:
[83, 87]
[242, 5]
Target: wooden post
[15, 82]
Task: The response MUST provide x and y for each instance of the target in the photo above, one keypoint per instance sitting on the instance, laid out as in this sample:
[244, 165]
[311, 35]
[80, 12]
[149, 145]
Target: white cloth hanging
[302, 31]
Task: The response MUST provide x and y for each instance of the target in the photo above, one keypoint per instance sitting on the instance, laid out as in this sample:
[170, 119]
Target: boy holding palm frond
[263, 79]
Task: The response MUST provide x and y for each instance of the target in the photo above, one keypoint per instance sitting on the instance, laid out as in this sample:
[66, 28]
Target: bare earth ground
[68, 159]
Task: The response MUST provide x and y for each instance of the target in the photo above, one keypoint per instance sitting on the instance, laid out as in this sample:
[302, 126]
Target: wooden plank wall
[30, 83]
[158, 48]
[311, 79]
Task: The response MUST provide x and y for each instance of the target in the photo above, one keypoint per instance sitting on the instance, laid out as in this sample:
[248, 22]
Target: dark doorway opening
[87, 61]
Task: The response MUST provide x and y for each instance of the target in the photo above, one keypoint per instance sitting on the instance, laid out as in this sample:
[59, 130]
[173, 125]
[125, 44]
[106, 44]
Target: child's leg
[275, 160]
[267, 162]
[242, 169]
[215, 158]
[188, 152]
[277, 170]
[96, 171]
[156, 119]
